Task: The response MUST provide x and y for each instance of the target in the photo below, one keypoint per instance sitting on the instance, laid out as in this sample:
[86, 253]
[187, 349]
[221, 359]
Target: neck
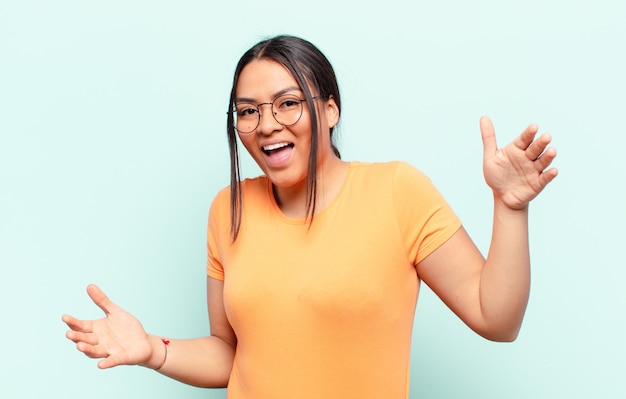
[330, 177]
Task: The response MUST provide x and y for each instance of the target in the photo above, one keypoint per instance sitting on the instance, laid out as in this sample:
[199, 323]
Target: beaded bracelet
[166, 342]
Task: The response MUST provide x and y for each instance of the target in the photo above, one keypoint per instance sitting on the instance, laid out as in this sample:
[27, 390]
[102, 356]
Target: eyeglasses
[286, 110]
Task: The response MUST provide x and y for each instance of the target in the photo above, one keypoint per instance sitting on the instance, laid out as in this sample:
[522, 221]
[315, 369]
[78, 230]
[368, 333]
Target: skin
[490, 295]
[261, 81]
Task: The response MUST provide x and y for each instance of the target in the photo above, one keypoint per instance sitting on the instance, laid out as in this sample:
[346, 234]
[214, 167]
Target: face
[282, 152]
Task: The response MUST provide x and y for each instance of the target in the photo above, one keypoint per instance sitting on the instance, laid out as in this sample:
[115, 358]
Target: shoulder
[253, 191]
[393, 171]
[250, 187]
[404, 183]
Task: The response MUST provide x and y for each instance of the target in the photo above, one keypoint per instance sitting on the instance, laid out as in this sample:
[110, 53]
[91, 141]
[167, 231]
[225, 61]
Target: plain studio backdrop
[113, 144]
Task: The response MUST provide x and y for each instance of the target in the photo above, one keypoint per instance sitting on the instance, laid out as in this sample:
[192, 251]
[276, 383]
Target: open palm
[118, 338]
[517, 173]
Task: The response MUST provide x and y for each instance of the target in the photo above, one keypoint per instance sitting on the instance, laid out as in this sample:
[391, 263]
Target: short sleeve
[217, 234]
[424, 217]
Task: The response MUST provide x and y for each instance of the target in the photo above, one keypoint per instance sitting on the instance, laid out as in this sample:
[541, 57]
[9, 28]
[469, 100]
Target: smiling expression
[282, 152]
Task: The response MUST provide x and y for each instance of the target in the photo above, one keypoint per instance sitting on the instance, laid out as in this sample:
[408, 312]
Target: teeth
[276, 146]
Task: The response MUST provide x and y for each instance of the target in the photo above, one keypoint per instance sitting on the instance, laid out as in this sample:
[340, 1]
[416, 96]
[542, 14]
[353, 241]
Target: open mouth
[275, 148]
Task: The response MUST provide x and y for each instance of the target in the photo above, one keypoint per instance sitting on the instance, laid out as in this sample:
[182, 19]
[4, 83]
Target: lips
[271, 148]
[277, 154]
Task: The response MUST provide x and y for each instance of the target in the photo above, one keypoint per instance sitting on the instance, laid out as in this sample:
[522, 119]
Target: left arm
[490, 295]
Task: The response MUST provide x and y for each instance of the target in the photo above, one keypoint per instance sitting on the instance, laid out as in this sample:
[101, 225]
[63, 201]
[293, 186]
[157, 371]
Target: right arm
[119, 338]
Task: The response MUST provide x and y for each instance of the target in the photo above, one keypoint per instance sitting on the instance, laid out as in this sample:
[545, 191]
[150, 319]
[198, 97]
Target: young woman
[314, 268]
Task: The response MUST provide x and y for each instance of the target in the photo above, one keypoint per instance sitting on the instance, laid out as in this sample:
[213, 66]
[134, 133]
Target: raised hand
[517, 173]
[118, 338]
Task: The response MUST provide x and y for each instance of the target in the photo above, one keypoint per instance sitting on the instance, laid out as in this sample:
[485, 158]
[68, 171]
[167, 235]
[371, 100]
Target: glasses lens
[246, 117]
[287, 109]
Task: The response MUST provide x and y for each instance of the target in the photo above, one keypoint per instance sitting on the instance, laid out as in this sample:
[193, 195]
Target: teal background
[112, 145]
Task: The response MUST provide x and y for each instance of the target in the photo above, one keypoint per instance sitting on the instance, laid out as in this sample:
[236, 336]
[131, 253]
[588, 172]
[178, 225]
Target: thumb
[488, 135]
[100, 299]
[109, 362]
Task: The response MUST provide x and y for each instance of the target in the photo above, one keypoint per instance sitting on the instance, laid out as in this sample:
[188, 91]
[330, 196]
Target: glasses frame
[271, 103]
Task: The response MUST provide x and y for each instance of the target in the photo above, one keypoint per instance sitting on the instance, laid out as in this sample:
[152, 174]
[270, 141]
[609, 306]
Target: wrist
[500, 205]
[166, 342]
[159, 353]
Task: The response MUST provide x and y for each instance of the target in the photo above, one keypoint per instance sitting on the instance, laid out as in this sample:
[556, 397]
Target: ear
[331, 112]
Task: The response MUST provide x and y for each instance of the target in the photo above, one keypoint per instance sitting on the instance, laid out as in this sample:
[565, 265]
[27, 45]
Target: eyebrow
[277, 94]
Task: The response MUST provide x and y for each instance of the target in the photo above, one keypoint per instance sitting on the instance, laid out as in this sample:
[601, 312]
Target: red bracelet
[166, 342]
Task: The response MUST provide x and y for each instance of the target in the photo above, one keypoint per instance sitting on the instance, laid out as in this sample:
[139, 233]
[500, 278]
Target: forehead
[264, 78]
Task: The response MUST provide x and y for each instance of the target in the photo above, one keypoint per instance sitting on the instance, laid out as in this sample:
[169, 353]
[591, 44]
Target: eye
[287, 102]
[246, 110]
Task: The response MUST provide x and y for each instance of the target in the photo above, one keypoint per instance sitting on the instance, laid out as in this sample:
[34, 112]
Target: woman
[314, 267]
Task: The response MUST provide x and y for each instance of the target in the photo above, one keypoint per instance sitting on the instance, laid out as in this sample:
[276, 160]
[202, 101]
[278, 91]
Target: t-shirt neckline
[319, 213]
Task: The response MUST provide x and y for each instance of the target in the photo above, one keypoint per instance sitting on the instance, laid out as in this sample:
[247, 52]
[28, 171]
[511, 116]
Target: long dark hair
[308, 66]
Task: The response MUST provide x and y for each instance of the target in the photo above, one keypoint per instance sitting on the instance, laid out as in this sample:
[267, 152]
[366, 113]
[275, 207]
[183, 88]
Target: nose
[267, 122]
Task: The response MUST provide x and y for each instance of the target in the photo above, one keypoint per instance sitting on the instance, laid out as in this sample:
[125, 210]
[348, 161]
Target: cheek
[303, 130]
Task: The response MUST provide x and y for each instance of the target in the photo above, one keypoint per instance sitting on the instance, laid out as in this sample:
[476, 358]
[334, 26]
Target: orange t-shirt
[327, 311]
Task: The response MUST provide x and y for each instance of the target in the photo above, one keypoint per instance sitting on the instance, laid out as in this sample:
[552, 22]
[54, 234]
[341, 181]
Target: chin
[283, 180]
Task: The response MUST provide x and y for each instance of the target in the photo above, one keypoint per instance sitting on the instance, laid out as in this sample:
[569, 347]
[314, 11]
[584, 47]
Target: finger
[108, 362]
[100, 299]
[546, 177]
[524, 140]
[545, 159]
[92, 351]
[538, 146]
[75, 324]
[488, 135]
[88, 338]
